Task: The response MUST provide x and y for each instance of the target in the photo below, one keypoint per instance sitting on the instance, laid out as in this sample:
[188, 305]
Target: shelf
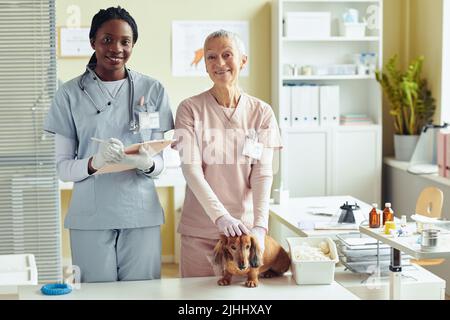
[332, 39]
[328, 169]
[404, 165]
[354, 127]
[330, 1]
[369, 127]
[344, 77]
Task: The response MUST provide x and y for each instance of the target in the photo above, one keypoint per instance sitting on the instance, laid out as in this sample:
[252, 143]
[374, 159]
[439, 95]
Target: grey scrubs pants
[117, 254]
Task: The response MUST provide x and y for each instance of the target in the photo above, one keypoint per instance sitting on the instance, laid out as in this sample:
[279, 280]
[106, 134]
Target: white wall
[445, 94]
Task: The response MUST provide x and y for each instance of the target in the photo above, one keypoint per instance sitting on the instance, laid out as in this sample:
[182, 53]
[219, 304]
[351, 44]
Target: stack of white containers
[309, 106]
[307, 25]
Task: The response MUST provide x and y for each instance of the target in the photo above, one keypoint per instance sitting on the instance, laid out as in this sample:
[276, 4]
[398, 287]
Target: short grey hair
[230, 35]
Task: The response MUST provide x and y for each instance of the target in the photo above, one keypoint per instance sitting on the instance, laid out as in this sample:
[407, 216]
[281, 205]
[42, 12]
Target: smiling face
[113, 45]
[223, 61]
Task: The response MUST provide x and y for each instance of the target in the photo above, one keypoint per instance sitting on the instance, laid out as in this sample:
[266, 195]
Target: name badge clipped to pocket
[150, 119]
[252, 148]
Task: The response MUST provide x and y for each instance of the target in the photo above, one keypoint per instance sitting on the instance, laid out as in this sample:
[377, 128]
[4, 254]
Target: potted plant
[411, 103]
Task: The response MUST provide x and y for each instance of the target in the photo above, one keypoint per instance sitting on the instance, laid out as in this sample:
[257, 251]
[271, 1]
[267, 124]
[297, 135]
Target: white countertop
[409, 244]
[295, 210]
[205, 288]
[404, 165]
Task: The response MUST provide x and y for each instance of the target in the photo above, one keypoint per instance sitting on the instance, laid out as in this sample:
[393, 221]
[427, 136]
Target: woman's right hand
[230, 226]
[109, 152]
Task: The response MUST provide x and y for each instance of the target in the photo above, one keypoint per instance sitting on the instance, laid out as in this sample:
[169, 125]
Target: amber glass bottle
[374, 217]
[388, 213]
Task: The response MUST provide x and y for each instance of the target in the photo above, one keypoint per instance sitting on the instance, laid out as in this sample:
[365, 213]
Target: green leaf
[411, 102]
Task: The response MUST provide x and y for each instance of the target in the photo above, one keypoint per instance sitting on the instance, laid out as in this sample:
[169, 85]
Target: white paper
[74, 42]
[153, 147]
[187, 44]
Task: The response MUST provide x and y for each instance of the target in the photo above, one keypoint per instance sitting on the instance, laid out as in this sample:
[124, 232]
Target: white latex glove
[260, 234]
[142, 160]
[109, 152]
[230, 226]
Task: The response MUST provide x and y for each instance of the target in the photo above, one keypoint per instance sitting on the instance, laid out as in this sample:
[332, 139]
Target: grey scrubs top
[121, 200]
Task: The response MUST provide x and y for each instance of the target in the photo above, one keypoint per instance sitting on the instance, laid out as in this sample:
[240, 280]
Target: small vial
[374, 217]
[403, 221]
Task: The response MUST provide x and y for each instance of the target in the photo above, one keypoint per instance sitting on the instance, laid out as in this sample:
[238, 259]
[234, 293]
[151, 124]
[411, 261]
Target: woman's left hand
[142, 161]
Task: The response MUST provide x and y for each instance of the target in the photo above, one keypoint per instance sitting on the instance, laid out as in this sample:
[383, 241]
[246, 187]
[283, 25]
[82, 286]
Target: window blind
[29, 194]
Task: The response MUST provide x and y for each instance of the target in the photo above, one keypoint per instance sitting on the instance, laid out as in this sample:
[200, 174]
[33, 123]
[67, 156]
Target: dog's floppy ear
[255, 253]
[219, 250]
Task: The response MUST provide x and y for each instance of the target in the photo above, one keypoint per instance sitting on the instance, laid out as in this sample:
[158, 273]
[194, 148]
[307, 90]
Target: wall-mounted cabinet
[324, 157]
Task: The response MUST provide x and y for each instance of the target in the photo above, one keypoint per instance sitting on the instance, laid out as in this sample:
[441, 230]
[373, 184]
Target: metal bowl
[430, 238]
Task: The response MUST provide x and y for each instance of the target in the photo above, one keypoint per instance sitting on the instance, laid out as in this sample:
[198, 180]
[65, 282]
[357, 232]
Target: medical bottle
[388, 213]
[374, 217]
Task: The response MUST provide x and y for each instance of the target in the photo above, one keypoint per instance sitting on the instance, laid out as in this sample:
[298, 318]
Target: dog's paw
[223, 282]
[269, 274]
[251, 283]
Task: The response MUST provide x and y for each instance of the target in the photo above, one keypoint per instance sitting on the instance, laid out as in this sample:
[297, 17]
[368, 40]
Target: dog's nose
[241, 266]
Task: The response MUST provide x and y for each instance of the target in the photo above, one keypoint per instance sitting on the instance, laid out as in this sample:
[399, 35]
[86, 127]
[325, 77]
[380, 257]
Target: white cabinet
[325, 157]
[306, 159]
[356, 164]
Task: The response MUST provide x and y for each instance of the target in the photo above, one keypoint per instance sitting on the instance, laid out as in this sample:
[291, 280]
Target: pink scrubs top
[213, 141]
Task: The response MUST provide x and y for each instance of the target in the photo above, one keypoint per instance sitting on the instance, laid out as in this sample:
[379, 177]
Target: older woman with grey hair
[226, 140]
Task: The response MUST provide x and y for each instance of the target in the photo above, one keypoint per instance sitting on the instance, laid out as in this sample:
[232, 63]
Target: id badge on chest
[149, 120]
[252, 148]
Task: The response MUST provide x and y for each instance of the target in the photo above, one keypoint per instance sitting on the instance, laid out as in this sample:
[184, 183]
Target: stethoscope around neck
[133, 123]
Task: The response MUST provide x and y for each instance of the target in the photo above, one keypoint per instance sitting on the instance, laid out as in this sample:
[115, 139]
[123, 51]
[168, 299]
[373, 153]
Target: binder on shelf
[329, 105]
[285, 106]
[313, 103]
[305, 106]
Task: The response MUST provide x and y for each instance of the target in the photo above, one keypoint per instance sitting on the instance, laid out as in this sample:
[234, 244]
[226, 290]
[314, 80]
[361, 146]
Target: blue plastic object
[56, 289]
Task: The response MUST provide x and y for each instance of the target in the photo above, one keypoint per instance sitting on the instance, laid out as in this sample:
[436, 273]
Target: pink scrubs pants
[196, 256]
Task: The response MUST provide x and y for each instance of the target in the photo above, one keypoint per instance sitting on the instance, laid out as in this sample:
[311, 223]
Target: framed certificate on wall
[74, 43]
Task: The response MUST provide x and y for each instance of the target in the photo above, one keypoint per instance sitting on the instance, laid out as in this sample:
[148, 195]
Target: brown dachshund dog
[241, 256]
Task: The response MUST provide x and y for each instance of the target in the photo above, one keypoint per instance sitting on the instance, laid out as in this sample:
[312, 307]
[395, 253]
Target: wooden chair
[429, 204]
